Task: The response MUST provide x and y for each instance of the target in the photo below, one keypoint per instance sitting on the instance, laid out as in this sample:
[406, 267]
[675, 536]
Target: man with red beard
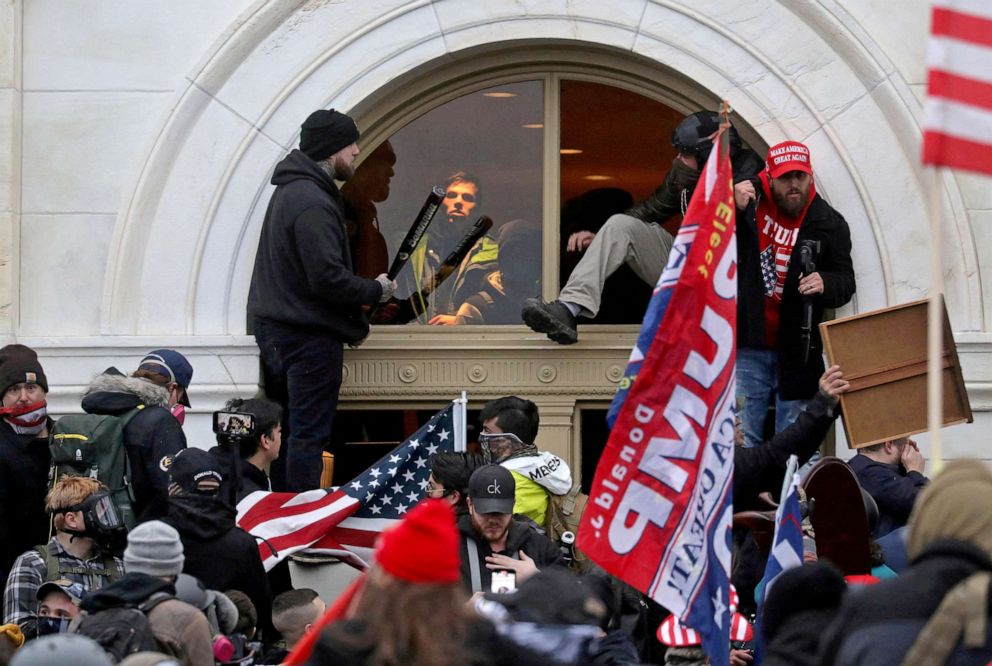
[491, 540]
[780, 219]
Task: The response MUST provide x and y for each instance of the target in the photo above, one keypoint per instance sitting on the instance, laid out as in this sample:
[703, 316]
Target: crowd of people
[119, 543]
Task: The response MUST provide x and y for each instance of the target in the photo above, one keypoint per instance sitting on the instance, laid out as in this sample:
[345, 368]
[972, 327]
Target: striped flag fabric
[345, 521]
[673, 633]
[957, 121]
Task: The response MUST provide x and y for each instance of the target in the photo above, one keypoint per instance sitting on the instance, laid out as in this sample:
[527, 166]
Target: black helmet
[692, 136]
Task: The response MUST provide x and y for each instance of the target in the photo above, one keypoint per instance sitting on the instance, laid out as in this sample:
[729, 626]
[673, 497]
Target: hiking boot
[552, 318]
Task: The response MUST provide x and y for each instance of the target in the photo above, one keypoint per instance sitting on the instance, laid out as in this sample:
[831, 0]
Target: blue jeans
[757, 382]
[302, 371]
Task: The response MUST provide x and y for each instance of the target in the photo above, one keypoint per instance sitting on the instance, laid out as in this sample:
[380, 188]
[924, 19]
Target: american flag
[346, 521]
[957, 122]
[768, 275]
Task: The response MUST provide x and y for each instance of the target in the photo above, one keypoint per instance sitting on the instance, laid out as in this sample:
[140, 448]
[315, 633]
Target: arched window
[543, 154]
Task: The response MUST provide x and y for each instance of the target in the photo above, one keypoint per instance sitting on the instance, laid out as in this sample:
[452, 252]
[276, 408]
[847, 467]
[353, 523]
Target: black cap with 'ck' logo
[492, 489]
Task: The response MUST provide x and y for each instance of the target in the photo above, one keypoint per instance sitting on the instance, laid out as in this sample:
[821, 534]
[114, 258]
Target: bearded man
[491, 540]
[305, 301]
[781, 220]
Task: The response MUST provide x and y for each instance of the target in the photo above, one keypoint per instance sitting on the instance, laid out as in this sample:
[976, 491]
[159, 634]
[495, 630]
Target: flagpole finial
[725, 111]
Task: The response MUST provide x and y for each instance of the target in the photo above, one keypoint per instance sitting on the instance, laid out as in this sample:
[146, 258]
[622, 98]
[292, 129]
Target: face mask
[103, 521]
[52, 625]
[179, 411]
[684, 177]
[26, 419]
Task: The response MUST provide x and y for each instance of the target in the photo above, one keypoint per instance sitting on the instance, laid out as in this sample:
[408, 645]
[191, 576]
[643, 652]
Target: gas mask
[26, 419]
[104, 523]
[179, 412]
[52, 625]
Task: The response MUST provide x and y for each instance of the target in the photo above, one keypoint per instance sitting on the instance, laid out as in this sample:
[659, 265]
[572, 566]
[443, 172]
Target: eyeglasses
[465, 196]
[431, 489]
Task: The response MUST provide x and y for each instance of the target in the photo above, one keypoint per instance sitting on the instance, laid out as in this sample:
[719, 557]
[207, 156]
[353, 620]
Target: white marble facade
[137, 137]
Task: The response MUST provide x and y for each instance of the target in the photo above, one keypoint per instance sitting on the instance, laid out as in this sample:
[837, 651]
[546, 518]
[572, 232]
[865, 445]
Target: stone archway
[200, 196]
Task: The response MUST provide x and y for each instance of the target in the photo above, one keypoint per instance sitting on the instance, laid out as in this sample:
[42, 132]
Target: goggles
[498, 444]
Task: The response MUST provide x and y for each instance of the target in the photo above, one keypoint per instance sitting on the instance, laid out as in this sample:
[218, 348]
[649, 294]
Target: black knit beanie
[325, 132]
[20, 364]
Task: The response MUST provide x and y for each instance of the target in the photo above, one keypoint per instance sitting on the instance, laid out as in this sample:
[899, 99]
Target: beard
[339, 170]
[792, 206]
[491, 529]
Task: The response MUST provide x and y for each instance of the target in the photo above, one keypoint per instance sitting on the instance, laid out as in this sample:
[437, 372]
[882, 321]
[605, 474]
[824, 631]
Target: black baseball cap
[492, 489]
[196, 471]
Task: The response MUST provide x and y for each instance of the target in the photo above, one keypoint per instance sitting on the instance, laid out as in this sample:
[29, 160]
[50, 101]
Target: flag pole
[935, 320]
[461, 423]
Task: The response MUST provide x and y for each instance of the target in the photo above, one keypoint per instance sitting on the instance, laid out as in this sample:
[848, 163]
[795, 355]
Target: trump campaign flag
[957, 119]
[659, 511]
[346, 521]
[787, 545]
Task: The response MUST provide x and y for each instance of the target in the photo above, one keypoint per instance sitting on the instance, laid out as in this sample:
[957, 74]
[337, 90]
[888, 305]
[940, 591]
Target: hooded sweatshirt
[152, 438]
[304, 276]
[536, 478]
[181, 629]
[218, 552]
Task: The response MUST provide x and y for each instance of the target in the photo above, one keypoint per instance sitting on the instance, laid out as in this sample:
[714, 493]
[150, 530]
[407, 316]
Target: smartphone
[503, 582]
[234, 424]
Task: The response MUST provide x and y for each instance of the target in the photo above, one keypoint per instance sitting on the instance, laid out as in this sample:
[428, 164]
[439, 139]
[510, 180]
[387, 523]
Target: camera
[234, 424]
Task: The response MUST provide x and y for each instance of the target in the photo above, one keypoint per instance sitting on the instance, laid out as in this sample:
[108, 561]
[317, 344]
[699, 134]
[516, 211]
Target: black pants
[304, 370]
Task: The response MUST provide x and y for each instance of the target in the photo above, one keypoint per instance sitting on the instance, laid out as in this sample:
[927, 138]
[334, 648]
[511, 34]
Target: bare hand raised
[524, 567]
[744, 193]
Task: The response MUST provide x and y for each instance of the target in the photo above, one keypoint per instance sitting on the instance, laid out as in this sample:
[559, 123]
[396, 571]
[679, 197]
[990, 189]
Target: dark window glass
[485, 149]
[615, 150]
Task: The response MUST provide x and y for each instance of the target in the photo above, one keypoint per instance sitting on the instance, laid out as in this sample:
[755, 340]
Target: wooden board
[884, 356]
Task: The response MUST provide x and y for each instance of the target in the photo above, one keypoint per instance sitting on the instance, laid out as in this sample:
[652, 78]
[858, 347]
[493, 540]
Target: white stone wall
[136, 139]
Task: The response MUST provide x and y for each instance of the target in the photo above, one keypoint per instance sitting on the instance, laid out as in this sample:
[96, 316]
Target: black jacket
[251, 478]
[521, 537]
[304, 277]
[218, 552]
[131, 589]
[341, 645]
[893, 489]
[667, 200]
[796, 380]
[762, 468]
[24, 463]
[879, 623]
[152, 438]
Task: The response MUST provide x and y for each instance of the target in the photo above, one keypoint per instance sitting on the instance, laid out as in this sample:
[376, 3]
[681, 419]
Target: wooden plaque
[884, 356]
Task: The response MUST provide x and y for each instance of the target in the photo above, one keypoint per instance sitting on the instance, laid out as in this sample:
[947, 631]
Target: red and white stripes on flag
[957, 120]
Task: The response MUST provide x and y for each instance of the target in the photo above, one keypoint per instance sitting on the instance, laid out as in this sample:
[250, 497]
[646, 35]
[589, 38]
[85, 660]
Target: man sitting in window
[636, 238]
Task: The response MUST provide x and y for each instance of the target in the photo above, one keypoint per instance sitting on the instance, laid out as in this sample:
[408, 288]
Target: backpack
[124, 630]
[93, 445]
[563, 515]
[55, 570]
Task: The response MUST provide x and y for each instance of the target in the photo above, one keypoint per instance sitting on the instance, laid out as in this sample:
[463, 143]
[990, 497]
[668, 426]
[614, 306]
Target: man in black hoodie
[305, 301]
[24, 457]
[218, 552]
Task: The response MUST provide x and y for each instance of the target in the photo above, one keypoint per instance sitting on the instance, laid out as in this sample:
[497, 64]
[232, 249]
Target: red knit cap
[423, 548]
